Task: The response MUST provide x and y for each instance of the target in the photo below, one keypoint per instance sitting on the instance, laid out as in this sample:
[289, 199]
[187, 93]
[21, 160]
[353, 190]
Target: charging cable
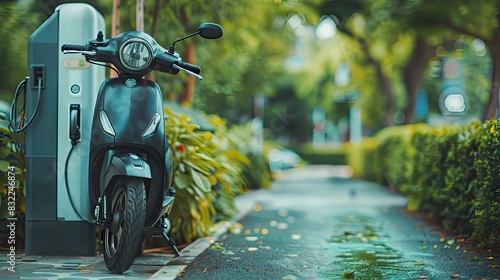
[16, 126]
[68, 190]
[20, 126]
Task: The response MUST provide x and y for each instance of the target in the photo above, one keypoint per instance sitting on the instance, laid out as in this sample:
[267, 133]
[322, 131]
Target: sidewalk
[153, 264]
[316, 223]
[406, 241]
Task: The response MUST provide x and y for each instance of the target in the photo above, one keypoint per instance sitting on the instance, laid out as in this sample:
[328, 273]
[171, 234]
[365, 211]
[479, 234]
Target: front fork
[101, 211]
[162, 227]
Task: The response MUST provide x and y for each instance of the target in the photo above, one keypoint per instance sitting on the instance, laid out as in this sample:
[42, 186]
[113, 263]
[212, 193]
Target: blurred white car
[283, 158]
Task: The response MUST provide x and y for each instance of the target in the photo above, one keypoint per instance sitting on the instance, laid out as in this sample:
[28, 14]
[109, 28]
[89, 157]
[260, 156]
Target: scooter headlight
[152, 126]
[136, 54]
[106, 124]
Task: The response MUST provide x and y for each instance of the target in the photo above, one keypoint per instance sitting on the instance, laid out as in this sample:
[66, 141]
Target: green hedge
[335, 155]
[450, 171]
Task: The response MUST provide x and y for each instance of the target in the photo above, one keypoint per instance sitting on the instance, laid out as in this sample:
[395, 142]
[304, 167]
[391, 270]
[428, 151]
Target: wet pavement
[317, 224]
[156, 263]
[314, 223]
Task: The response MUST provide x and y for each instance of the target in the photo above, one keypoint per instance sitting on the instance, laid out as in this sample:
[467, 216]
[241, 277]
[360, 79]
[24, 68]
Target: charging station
[64, 88]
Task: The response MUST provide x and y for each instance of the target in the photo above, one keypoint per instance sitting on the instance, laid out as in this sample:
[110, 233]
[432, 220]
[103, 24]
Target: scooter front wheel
[128, 211]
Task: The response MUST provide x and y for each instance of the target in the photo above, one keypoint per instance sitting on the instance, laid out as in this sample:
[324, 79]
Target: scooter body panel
[130, 104]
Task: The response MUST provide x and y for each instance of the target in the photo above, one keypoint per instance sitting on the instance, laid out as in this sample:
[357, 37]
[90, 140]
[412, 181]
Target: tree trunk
[494, 48]
[186, 97]
[385, 86]
[414, 73]
[139, 15]
[155, 18]
[115, 28]
[150, 76]
[492, 106]
[188, 87]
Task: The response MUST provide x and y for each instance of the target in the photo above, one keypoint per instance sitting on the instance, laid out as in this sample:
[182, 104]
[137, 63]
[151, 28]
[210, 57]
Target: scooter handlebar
[68, 47]
[191, 67]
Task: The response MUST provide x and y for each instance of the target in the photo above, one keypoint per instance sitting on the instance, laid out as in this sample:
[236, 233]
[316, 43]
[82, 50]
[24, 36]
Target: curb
[171, 270]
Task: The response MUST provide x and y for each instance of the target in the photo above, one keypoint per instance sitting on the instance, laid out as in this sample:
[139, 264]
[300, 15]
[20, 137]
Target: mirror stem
[172, 47]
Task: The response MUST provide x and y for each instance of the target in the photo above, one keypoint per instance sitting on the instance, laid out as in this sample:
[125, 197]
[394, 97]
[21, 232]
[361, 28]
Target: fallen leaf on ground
[490, 258]
[349, 274]
[296, 236]
[419, 262]
[283, 212]
[455, 275]
[85, 268]
[282, 226]
[251, 238]
[216, 246]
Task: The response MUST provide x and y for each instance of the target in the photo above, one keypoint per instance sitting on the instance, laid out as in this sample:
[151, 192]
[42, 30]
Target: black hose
[67, 188]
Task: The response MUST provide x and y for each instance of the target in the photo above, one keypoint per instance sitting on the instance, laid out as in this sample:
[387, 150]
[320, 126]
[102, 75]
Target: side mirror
[210, 30]
[206, 30]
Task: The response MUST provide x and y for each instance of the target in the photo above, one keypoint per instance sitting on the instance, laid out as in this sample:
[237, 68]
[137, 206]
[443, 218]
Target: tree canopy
[386, 43]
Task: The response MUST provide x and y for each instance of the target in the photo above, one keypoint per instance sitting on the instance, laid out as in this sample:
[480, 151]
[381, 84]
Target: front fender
[123, 164]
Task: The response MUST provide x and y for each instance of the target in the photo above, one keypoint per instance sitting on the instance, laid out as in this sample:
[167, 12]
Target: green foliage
[210, 170]
[335, 155]
[257, 172]
[12, 180]
[246, 61]
[361, 158]
[449, 171]
[17, 25]
[486, 189]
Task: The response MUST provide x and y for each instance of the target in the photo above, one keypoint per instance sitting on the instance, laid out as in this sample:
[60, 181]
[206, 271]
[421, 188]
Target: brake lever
[175, 66]
[79, 52]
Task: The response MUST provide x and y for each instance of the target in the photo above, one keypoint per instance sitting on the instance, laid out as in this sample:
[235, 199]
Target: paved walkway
[367, 225]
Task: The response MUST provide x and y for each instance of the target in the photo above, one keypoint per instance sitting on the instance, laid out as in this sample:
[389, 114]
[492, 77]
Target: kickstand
[171, 242]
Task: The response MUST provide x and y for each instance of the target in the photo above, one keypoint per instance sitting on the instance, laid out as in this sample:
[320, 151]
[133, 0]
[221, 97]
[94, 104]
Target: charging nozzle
[37, 76]
[74, 123]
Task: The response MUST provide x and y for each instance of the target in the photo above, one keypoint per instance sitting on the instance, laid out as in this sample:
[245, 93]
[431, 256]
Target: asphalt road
[314, 224]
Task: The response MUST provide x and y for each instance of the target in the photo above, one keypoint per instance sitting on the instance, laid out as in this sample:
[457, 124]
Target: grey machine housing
[69, 88]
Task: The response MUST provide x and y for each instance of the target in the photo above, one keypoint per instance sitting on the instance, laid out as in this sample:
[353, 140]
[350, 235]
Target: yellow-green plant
[230, 176]
[207, 175]
[12, 181]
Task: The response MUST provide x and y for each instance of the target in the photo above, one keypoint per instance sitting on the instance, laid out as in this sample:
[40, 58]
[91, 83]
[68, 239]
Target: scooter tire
[120, 251]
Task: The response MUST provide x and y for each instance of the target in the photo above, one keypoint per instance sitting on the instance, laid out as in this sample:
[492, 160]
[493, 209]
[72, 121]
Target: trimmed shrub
[449, 171]
[335, 155]
[363, 158]
[486, 186]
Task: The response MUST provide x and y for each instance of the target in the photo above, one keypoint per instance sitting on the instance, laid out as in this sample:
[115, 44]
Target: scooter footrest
[167, 201]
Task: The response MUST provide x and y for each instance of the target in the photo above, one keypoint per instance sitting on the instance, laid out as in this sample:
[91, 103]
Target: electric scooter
[130, 166]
